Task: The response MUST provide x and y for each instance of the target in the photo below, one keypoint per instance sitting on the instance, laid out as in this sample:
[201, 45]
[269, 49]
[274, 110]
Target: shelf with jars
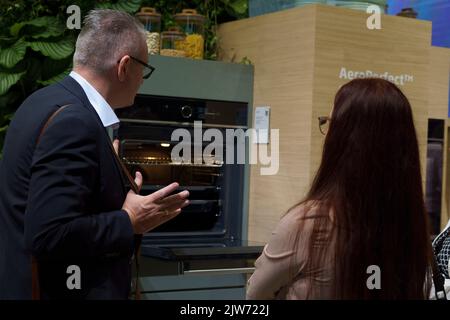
[185, 39]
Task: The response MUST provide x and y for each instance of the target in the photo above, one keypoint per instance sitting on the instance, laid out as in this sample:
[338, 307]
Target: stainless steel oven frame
[214, 268]
[226, 188]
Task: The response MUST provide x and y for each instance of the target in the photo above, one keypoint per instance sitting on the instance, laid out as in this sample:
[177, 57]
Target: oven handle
[220, 271]
[182, 124]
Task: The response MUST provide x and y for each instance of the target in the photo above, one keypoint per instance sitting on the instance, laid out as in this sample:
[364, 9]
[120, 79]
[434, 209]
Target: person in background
[64, 198]
[362, 230]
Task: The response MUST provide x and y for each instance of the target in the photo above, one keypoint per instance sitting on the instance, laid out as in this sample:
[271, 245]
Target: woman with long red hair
[364, 214]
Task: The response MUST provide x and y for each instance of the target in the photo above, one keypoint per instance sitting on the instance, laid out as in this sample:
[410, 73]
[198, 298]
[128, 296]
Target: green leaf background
[55, 50]
[7, 80]
[46, 27]
[122, 5]
[56, 78]
[10, 56]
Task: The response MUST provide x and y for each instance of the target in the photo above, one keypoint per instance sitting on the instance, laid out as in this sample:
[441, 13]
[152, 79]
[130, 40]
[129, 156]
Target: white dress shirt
[103, 109]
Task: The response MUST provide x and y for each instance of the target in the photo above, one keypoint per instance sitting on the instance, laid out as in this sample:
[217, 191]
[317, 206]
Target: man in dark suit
[63, 194]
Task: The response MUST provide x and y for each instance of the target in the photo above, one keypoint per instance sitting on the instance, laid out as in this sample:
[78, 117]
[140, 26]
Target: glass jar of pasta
[193, 25]
[172, 43]
[152, 24]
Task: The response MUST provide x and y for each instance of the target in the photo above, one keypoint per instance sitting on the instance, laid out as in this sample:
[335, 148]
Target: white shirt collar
[103, 109]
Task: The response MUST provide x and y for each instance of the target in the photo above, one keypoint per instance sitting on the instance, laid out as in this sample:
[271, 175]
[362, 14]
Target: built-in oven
[202, 145]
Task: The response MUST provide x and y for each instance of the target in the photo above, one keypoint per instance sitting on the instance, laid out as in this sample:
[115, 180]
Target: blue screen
[437, 11]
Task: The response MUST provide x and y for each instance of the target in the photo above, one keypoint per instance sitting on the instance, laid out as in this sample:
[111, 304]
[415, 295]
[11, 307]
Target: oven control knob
[186, 112]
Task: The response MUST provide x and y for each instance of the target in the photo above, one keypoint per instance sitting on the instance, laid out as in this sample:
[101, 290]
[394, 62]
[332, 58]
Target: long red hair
[370, 178]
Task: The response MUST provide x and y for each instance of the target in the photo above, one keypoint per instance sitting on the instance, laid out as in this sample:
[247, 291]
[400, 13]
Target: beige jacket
[282, 271]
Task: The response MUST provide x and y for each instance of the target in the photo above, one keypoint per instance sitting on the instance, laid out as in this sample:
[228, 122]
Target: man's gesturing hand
[148, 212]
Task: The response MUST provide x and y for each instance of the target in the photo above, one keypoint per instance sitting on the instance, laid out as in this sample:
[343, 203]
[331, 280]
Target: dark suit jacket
[61, 201]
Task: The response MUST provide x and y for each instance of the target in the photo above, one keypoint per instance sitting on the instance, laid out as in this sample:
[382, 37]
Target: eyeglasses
[147, 74]
[322, 124]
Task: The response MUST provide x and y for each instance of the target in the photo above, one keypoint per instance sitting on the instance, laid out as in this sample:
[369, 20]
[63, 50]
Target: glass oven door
[202, 180]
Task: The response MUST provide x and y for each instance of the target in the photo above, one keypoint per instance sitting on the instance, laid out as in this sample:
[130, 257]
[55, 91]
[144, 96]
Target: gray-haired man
[63, 196]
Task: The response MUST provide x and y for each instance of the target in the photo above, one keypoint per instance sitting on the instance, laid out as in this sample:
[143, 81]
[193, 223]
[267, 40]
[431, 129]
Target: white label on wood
[262, 123]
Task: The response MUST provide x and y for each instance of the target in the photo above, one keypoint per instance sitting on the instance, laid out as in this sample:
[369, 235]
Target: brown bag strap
[138, 237]
[130, 179]
[35, 290]
[50, 120]
[137, 255]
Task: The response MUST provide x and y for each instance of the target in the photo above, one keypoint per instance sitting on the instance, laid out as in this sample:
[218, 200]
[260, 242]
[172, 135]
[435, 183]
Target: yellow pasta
[193, 46]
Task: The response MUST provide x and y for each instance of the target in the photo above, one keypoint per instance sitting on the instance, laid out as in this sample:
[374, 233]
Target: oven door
[216, 188]
[199, 257]
[204, 215]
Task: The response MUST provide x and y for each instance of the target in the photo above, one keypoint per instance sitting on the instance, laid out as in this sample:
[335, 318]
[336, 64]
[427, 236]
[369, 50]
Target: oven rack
[168, 162]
